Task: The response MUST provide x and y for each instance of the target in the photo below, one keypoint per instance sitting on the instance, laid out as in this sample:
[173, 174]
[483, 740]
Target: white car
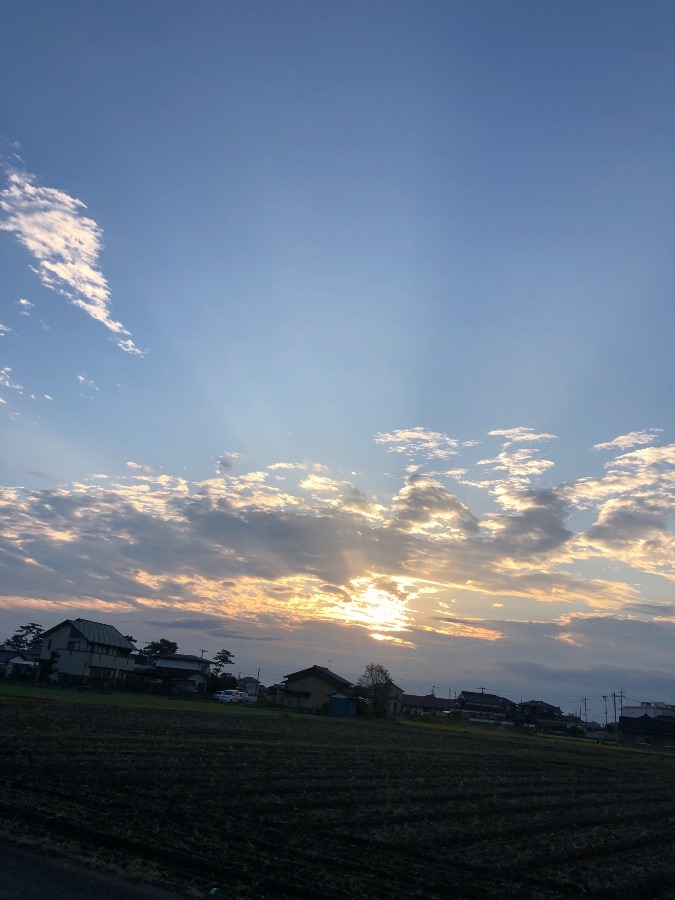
[229, 696]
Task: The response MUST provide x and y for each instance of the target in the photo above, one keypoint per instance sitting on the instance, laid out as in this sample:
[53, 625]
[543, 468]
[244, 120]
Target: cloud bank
[544, 575]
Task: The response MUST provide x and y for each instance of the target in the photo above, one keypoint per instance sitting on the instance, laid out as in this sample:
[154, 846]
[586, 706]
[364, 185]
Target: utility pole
[621, 696]
[604, 697]
[615, 729]
[584, 700]
[257, 682]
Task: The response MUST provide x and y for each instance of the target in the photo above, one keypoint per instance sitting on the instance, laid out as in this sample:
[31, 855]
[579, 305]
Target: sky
[342, 333]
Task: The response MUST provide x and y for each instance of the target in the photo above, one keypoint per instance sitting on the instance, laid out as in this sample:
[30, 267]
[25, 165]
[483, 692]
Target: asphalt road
[32, 876]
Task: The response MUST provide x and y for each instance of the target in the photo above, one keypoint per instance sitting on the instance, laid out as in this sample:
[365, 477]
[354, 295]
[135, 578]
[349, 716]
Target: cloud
[4, 329]
[419, 441]
[85, 380]
[64, 243]
[141, 469]
[245, 557]
[226, 462]
[25, 306]
[632, 439]
[424, 505]
[6, 380]
[520, 466]
[520, 434]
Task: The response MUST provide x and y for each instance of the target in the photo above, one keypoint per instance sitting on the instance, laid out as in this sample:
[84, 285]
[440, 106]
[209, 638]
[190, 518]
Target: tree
[161, 647]
[132, 640]
[28, 637]
[375, 684]
[220, 660]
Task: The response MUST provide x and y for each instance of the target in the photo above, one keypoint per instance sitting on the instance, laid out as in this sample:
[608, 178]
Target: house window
[642, 740]
[73, 645]
[49, 644]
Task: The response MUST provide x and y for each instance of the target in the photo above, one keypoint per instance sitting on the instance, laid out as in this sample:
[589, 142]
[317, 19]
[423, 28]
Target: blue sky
[344, 331]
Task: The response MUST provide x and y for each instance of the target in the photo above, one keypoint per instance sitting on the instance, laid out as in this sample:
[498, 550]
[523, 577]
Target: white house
[85, 650]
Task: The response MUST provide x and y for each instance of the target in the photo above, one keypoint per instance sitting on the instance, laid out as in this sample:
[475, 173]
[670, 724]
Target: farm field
[285, 805]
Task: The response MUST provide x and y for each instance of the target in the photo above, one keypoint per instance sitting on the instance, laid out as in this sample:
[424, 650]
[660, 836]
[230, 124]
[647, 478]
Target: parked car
[230, 696]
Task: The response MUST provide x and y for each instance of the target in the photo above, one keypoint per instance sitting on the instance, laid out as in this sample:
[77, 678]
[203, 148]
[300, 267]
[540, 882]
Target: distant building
[424, 705]
[652, 708]
[186, 674]
[648, 732]
[312, 688]
[477, 706]
[21, 664]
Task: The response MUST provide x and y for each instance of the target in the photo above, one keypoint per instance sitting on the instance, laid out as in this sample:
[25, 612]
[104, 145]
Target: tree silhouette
[375, 685]
[28, 637]
[220, 660]
[161, 647]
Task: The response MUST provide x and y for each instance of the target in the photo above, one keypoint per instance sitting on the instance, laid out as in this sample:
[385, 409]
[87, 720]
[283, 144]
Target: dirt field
[274, 805]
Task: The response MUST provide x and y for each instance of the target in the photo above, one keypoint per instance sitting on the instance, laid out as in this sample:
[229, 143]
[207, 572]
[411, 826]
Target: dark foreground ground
[279, 805]
[32, 876]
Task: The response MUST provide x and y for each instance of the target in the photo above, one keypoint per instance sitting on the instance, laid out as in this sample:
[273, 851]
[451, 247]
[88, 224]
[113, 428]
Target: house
[395, 700]
[648, 732]
[544, 717]
[429, 704]
[477, 706]
[84, 651]
[183, 673]
[21, 664]
[312, 688]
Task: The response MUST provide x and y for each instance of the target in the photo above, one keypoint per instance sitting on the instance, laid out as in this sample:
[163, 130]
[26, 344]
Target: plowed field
[283, 805]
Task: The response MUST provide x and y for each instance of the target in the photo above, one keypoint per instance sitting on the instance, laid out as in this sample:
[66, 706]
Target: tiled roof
[323, 673]
[97, 633]
[481, 699]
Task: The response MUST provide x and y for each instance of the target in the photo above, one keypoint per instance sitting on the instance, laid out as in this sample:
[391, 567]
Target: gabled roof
[323, 673]
[478, 698]
[540, 705]
[428, 701]
[95, 633]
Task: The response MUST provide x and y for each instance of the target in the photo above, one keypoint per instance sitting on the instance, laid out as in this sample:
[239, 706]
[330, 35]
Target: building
[84, 652]
[648, 732]
[652, 708]
[184, 673]
[477, 706]
[312, 688]
[21, 664]
[395, 700]
[429, 704]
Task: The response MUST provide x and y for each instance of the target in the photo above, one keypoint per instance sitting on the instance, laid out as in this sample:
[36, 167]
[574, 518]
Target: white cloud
[25, 306]
[88, 382]
[65, 244]
[517, 435]
[419, 441]
[4, 329]
[6, 380]
[632, 439]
